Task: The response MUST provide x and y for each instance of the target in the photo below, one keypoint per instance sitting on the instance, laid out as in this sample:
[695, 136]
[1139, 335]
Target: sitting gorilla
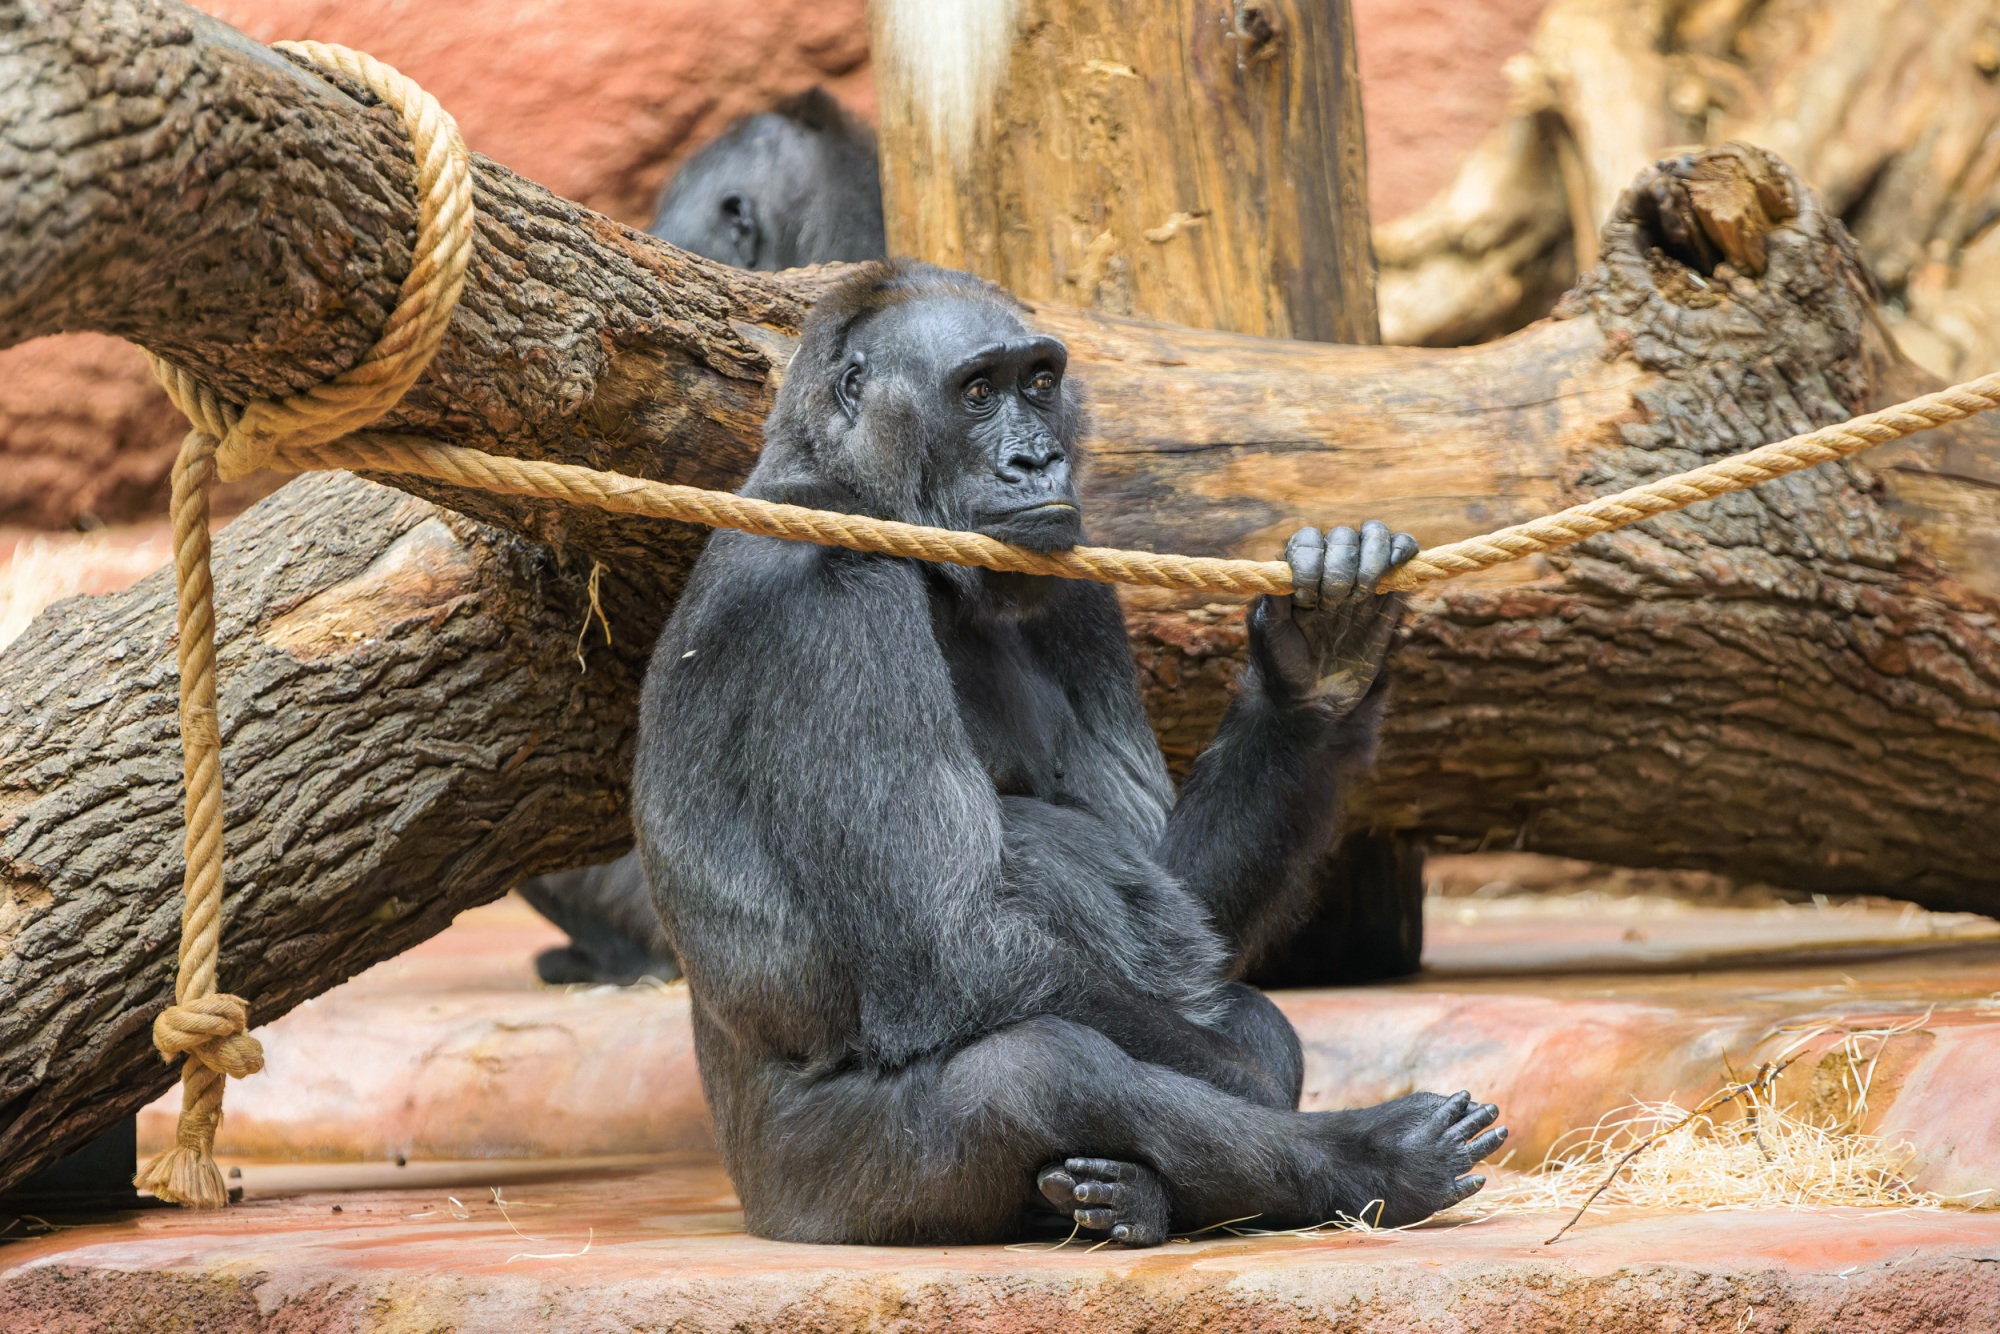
[957, 956]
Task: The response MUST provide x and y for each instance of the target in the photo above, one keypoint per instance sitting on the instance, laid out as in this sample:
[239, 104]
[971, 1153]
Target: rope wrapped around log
[322, 428]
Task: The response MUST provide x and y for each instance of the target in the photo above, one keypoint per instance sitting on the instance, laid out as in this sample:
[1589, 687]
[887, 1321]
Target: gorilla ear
[739, 221]
[847, 385]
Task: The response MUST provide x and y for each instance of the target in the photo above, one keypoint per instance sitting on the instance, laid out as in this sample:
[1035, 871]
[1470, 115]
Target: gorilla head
[794, 185]
[923, 396]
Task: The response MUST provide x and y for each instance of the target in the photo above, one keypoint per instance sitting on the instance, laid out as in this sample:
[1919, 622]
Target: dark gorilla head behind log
[960, 961]
[794, 185]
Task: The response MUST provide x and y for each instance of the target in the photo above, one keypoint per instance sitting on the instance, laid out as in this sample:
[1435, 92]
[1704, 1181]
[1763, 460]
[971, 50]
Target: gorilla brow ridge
[806, 399]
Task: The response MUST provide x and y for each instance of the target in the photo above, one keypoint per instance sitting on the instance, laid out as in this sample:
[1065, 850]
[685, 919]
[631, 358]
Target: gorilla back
[960, 961]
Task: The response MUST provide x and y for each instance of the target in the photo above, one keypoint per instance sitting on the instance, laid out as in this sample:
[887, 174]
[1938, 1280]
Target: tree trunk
[1200, 163]
[1800, 682]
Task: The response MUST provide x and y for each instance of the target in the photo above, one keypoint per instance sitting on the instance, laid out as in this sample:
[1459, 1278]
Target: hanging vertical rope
[207, 1030]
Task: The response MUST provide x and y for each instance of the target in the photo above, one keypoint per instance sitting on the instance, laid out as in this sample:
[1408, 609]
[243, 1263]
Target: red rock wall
[599, 101]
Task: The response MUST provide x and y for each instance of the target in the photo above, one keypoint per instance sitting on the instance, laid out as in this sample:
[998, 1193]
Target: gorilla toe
[1126, 1200]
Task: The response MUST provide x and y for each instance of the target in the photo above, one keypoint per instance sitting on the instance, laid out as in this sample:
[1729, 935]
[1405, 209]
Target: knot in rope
[206, 1030]
[214, 1030]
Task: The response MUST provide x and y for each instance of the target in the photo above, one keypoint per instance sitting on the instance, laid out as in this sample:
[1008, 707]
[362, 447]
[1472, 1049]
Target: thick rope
[209, 1032]
[1735, 473]
[368, 452]
[321, 429]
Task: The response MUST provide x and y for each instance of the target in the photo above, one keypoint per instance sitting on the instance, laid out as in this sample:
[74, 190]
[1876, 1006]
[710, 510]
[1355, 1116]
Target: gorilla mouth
[1047, 525]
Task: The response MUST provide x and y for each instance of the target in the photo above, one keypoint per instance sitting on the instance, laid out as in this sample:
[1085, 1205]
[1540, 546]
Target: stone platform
[582, 1110]
[662, 1250]
[453, 1052]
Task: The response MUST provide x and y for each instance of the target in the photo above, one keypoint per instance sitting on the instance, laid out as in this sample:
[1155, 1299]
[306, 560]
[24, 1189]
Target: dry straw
[1741, 1147]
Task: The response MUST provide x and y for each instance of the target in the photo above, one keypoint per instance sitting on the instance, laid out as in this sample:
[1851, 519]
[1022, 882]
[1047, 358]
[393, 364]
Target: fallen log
[1800, 683]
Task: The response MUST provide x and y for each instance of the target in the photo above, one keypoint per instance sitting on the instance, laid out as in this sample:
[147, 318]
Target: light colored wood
[1890, 110]
[1198, 162]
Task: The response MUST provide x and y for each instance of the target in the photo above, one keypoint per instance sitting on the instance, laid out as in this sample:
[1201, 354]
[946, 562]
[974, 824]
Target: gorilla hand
[1329, 640]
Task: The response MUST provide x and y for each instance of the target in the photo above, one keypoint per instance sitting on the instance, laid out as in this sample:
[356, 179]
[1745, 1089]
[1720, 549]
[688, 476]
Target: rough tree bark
[1801, 683]
[1199, 163]
[1203, 164]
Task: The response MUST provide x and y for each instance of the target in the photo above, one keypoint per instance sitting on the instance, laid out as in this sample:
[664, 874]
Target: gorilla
[615, 935]
[961, 965]
[795, 185]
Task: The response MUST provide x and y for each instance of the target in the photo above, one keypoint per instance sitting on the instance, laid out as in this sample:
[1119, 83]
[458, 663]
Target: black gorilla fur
[794, 185]
[948, 933]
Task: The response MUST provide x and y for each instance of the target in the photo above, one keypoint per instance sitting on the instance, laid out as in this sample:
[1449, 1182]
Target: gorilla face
[979, 401]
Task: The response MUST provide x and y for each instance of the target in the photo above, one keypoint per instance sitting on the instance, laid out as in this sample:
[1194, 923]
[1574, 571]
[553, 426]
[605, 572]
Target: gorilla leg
[949, 1150]
[615, 933]
[1128, 1201]
[1366, 922]
[1267, 1041]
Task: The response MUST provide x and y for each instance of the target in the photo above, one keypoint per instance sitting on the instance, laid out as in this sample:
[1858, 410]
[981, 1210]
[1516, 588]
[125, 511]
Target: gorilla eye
[979, 392]
[1042, 384]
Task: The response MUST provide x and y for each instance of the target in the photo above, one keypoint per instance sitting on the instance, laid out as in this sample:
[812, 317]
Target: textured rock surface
[664, 1250]
[451, 1051]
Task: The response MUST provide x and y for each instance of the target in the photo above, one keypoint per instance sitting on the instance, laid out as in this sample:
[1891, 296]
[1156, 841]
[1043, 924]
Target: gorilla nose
[1031, 460]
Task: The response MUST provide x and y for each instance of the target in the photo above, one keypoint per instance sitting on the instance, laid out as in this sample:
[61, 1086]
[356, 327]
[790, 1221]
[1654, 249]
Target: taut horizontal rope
[368, 452]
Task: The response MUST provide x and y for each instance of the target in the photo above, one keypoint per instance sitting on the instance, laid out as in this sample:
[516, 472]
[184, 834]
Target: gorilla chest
[1015, 711]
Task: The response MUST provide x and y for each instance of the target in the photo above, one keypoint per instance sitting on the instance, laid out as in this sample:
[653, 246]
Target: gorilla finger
[1478, 1149]
[1465, 1188]
[1343, 564]
[1401, 547]
[1306, 554]
[1096, 1219]
[1100, 1192]
[1110, 1169]
[1446, 1113]
[1375, 546]
[1481, 1116]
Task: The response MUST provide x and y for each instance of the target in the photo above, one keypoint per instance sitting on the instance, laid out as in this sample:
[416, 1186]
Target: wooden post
[1198, 161]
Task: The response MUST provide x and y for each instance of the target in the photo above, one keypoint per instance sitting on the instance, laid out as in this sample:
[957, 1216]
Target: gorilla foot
[1124, 1199]
[1417, 1150]
[565, 965]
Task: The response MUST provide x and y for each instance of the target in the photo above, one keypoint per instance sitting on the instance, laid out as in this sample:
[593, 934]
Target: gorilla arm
[1263, 802]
